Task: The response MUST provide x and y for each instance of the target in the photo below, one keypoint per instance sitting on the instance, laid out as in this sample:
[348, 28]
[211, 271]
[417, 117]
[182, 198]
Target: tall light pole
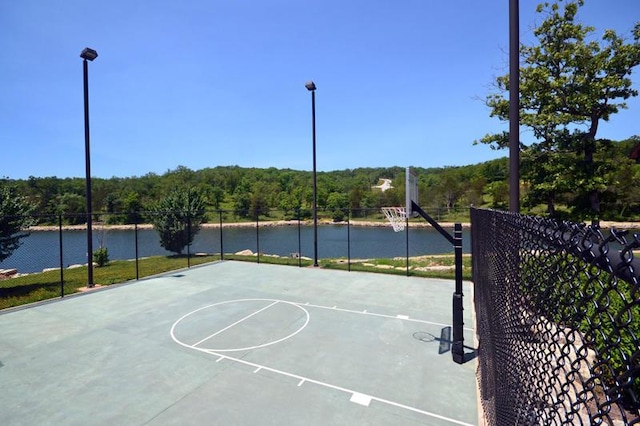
[311, 86]
[514, 106]
[88, 55]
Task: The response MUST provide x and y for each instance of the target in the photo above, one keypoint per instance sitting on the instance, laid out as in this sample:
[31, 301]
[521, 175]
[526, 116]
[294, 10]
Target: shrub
[101, 256]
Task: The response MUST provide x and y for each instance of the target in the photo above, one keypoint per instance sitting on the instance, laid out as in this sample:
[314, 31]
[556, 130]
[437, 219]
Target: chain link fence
[558, 321]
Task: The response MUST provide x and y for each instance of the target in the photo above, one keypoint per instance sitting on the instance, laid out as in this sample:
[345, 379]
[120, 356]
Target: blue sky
[203, 83]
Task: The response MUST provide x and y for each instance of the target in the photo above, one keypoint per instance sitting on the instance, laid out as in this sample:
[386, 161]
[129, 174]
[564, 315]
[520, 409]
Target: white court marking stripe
[335, 308]
[235, 323]
[360, 398]
[257, 369]
[303, 379]
[402, 317]
[338, 388]
[269, 343]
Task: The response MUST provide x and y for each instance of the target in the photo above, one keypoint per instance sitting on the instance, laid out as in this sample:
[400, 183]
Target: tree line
[250, 192]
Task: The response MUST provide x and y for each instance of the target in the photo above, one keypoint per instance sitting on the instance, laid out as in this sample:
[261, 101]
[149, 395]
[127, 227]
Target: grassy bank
[47, 285]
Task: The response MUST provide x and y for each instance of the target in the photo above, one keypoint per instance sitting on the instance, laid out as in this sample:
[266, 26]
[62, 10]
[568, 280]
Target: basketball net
[397, 216]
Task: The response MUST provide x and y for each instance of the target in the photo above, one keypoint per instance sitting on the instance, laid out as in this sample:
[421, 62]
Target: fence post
[349, 240]
[258, 236]
[135, 238]
[221, 243]
[406, 233]
[299, 241]
[188, 236]
[61, 256]
[458, 321]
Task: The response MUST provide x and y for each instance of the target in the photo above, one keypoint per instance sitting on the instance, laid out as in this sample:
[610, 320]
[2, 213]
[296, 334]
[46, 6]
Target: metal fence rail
[558, 321]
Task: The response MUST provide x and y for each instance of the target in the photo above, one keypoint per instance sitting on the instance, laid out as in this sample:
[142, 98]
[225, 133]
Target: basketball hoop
[397, 216]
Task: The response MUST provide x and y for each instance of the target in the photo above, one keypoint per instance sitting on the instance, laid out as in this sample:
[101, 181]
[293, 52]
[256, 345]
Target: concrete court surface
[234, 343]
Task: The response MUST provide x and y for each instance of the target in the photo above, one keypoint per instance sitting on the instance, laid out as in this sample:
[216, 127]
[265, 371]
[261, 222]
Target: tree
[131, 206]
[216, 195]
[569, 82]
[72, 206]
[242, 204]
[14, 219]
[177, 218]
[258, 204]
[449, 188]
[499, 192]
[625, 192]
[261, 197]
[338, 204]
[475, 191]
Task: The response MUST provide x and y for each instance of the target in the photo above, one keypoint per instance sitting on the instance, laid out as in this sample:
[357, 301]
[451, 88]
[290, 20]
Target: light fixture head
[88, 54]
[310, 85]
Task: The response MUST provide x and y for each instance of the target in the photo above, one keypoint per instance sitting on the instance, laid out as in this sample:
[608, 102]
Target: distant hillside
[238, 188]
[253, 191]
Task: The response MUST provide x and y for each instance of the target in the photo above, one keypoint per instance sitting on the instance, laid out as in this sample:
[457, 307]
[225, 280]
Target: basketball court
[241, 343]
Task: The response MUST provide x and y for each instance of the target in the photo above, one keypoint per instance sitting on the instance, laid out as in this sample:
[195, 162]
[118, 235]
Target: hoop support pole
[457, 347]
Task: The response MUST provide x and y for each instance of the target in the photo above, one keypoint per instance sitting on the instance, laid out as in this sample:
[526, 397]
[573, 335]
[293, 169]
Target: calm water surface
[42, 248]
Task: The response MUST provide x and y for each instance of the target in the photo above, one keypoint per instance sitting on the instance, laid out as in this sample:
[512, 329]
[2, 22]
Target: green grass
[274, 260]
[436, 266]
[46, 285]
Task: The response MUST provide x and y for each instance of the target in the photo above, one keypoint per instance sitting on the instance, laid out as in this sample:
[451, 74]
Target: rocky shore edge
[269, 223]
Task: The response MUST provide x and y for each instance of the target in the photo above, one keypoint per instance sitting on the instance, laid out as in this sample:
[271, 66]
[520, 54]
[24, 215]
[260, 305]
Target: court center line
[235, 323]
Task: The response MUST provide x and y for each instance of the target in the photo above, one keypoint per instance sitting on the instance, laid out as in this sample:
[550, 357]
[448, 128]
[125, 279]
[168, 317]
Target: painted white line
[303, 379]
[356, 397]
[335, 308]
[360, 398]
[235, 323]
[269, 343]
[402, 317]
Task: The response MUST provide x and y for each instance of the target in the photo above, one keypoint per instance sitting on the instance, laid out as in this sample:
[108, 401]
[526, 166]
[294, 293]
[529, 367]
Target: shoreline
[272, 223]
[263, 224]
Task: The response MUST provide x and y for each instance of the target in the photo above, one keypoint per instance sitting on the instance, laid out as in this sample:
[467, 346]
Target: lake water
[42, 248]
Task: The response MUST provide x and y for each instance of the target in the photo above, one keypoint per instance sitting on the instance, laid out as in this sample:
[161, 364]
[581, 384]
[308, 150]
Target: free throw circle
[220, 326]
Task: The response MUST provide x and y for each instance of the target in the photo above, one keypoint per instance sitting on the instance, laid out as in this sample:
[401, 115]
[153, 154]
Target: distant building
[386, 184]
